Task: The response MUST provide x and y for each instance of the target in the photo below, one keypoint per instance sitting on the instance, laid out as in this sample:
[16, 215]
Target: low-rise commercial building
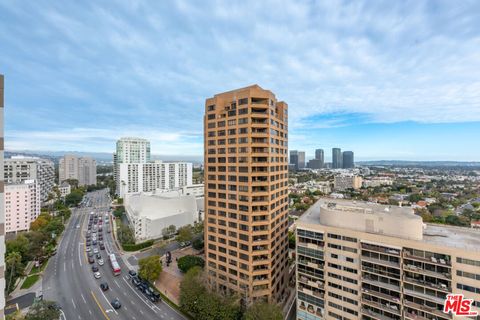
[64, 188]
[344, 182]
[22, 205]
[367, 261]
[150, 213]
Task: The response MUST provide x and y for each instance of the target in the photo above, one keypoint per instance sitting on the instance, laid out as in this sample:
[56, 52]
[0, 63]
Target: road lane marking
[98, 304]
[64, 266]
[79, 256]
[73, 302]
[83, 298]
[108, 302]
[116, 283]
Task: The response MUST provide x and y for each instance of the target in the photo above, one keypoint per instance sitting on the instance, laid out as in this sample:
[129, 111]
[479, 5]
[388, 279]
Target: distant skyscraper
[348, 161]
[319, 155]
[336, 158]
[297, 158]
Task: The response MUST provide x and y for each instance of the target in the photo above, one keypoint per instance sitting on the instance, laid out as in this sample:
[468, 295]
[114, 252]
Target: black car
[132, 273]
[94, 268]
[94, 242]
[135, 281]
[91, 260]
[102, 246]
[99, 256]
[116, 303]
[104, 286]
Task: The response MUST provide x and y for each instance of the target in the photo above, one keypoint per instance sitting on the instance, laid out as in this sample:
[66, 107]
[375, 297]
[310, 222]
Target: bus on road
[114, 264]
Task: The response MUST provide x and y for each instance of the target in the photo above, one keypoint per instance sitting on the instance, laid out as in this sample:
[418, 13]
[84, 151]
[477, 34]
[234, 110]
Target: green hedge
[138, 246]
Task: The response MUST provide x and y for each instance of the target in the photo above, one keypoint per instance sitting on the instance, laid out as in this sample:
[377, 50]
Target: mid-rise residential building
[129, 150]
[343, 182]
[366, 261]
[315, 164]
[150, 213]
[2, 204]
[20, 168]
[348, 161]
[377, 182]
[83, 169]
[22, 205]
[337, 158]
[147, 177]
[297, 158]
[246, 193]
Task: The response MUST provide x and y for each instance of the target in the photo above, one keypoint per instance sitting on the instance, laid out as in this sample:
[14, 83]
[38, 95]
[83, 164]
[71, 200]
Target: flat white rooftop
[393, 221]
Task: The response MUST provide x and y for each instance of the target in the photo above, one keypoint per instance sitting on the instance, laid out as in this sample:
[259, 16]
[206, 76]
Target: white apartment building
[343, 182]
[147, 177]
[64, 188]
[357, 260]
[20, 168]
[377, 182]
[129, 150]
[22, 205]
[83, 169]
[150, 213]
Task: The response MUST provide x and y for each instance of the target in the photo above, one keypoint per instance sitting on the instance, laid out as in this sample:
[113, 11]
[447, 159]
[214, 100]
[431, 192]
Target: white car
[100, 262]
[95, 250]
[97, 275]
[88, 249]
[78, 226]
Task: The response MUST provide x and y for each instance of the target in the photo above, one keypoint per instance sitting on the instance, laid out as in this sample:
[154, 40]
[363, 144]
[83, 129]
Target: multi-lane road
[69, 280]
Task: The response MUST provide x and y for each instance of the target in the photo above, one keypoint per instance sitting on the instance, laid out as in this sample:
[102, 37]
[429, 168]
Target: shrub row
[138, 246]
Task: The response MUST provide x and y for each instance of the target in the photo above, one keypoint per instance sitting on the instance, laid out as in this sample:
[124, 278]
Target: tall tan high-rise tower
[2, 207]
[246, 194]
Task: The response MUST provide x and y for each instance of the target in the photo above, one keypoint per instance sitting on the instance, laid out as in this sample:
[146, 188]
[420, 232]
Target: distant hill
[405, 163]
[100, 157]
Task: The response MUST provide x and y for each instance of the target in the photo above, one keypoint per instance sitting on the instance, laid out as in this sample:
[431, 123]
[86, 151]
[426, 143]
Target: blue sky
[386, 79]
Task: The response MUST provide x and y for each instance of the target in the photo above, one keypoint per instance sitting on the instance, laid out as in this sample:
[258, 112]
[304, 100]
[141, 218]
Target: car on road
[135, 281]
[94, 268]
[91, 260]
[94, 242]
[132, 273]
[116, 303]
[104, 286]
[90, 254]
[101, 262]
[102, 246]
[95, 250]
[78, 226]
[88, 249]
[98, 256]
[97, 275]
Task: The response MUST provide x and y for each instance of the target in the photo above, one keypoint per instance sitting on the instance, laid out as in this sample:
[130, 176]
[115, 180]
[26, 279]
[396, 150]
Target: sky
[386, 79]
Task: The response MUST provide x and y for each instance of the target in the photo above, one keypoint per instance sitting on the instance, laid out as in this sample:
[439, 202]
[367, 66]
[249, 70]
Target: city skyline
[394, 88]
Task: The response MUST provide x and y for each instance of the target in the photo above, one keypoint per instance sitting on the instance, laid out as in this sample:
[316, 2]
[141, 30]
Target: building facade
[150, 213]
[22, 205]
[147, 177]
[347, 160]
[83, 169]
[366, 261]
[2, 204]
[64, 189]
[337, 158]
[319, 155]
[297, 158]
[19, 169]
[246, 193]
[315, 164]
[343, 182]
[129, 150]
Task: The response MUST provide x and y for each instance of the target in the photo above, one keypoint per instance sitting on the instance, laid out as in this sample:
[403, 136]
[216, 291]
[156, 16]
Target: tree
[185, 263]
[43, 310]
[14, 269]
[198, 244]
[150, 268]
[263, 311]
[125, 234]
[172, 229]
[414, 197]
[19, 244]
[74, 198]
[291, 240]
[196, 299]
[185, 233]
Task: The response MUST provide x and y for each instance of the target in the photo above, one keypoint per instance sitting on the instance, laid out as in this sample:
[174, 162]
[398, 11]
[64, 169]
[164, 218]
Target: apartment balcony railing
[392, 308]
[382, 262]
[377, 315]
[414, 268]
[381, 284]
[381, 272]
[380, 295]
[424, 308]
[424, 296]
[389, 251]
[444, 262]
[441, 286]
